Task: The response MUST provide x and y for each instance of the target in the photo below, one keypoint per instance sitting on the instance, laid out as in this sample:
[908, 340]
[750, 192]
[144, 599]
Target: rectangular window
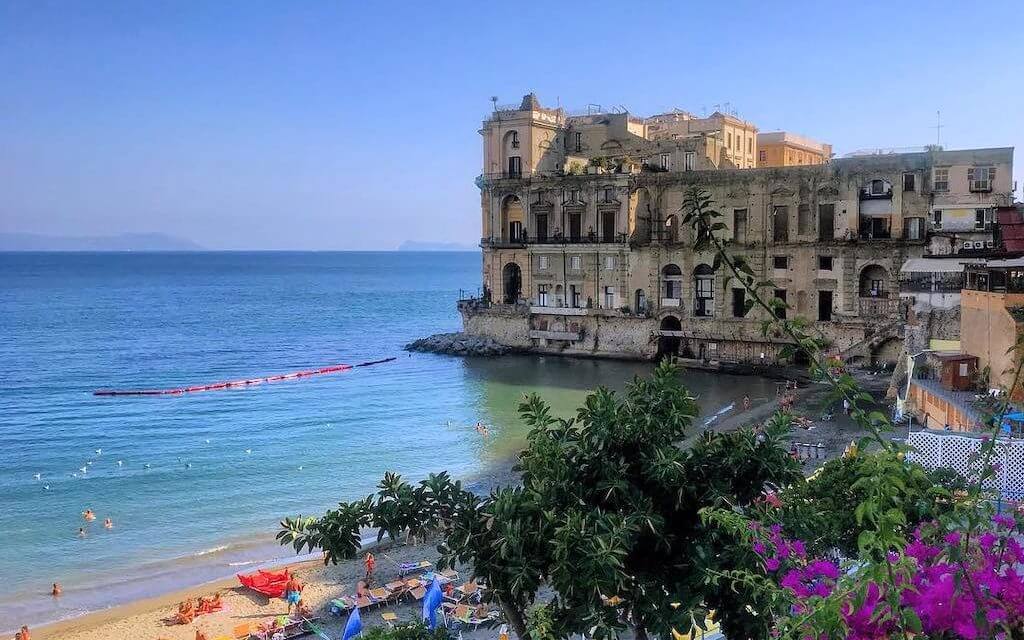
[980, 178]
[781, 295]
[608, 226]
[542, 227]
[704, 297]
[780, 223]
[826, 221]
[824, 263]
[609, 297]
[804, 224]
[908, 181]
[574, 296]
[515, 139]
[877, 187]
[665, 161]
[913, 228]
[575, 262]
[688, 160]
[515, 231]
[542, 262]
[940, 181]
[515, 167]
[579, 141]
[780, 262]
[762, 155]
[980, 218]
[937, 219]
[728, 141]
[609, 263]
[824, 306]
[542, 295]
[575, 226]
[609, 194]
[739, 302]
[750, 145]
[739, 225]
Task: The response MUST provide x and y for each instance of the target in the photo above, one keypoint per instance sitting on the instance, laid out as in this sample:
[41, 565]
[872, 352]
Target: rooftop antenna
[938, 128]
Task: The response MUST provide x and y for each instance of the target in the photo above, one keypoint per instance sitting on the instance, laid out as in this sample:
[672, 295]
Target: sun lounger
[390, 618]
[405, 568]
[418, 593]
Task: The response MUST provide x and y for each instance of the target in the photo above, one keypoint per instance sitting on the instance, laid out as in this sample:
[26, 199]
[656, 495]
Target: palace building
[584, 252]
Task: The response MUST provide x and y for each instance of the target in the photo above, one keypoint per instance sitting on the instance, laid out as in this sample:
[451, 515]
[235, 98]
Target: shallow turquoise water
[73, 323]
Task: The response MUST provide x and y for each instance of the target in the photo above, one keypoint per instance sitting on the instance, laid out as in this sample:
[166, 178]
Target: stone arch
[511, 283]
[873, 281]
[512, 219]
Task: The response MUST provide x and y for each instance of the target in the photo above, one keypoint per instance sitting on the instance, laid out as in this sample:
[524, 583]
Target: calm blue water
[73, 323]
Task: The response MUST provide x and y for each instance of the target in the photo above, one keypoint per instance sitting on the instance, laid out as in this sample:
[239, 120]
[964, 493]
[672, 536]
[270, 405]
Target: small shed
[957, 370]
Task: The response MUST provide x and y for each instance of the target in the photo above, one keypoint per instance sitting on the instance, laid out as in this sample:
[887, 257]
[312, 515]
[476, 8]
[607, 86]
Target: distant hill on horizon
[416, 245]
[119, 242]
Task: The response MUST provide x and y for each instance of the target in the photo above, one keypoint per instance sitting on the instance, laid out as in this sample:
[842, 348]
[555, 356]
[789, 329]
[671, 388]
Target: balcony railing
[878, 307]
[525, 239]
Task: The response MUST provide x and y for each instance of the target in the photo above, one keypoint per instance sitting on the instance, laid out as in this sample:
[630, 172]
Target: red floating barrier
[235, 383]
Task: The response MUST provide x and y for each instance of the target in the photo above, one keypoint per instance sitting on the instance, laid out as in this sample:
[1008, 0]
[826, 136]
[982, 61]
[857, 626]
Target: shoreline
[495, 473]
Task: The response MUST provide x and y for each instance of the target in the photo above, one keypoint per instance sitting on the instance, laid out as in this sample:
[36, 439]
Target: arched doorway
[512, 220]
[511, 282]
[669, 345]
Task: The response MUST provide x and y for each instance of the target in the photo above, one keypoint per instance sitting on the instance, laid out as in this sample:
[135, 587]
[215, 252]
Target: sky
[343, 125]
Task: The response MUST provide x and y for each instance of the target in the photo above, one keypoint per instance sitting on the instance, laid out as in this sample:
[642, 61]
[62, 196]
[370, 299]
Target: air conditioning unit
[989, 244]
[968, 244]
[979, 244]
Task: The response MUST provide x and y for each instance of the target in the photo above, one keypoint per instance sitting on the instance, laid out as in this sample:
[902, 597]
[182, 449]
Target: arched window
[672, 279]
[703, 291]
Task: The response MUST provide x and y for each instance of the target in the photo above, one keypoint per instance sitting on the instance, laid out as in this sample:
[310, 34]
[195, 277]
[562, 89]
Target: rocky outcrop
[459, 344]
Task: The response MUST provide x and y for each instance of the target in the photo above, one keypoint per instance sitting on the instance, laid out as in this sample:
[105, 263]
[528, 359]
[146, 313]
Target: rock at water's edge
[459, 344]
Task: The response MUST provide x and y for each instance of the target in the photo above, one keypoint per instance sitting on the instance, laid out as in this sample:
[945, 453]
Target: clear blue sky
[331, 125]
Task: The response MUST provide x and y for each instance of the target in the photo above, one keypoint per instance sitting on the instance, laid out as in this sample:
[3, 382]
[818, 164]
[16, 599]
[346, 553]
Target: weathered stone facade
[595, 260]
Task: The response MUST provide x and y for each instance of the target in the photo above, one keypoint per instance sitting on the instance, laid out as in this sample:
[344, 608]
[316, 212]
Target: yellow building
[992, 318]
[785, 149]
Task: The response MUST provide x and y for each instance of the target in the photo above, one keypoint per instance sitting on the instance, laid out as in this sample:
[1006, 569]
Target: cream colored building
[739, 137]
[584, 251]
[785, 149]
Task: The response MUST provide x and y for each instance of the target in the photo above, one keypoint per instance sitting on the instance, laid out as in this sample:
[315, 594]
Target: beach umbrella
[431, 601]
[353, 626]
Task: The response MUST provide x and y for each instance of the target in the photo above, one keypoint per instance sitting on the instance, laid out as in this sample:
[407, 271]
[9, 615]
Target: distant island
[416, 245]
[120, 242]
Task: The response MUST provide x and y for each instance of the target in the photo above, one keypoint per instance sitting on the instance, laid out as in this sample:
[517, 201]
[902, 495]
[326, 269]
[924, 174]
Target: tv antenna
[938, 128]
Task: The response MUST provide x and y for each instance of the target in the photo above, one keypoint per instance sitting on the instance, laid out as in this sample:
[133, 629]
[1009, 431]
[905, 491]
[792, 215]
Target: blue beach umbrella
[353, 626]
[431, 601]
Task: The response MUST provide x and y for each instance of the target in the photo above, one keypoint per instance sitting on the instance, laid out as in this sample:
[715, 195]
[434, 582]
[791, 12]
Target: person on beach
[57, 590]
[23, 634]
[200, 635]
[293, 593]
[370, 563]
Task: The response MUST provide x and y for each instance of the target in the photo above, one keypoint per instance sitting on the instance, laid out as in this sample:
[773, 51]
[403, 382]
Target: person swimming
[89, 515]
[482, 429]
[81, 532]
[108, 524]
[57, 590]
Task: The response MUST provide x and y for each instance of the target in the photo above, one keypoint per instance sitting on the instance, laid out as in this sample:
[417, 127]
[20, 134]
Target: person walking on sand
[370, 563]
[293, 593]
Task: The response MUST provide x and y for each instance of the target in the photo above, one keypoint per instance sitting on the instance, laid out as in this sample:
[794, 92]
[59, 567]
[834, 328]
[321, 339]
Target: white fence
[935, 450]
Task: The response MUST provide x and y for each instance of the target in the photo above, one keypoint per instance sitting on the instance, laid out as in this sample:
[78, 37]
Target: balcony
[671, 302]
[525, 239]
[558, 311]
[879, 307]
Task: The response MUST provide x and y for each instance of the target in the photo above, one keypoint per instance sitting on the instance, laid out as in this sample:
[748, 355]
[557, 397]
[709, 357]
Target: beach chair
[418, 593]
[405, 568]
[389, 618]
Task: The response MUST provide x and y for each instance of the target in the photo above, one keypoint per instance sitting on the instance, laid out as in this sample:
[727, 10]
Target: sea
[196, 484]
